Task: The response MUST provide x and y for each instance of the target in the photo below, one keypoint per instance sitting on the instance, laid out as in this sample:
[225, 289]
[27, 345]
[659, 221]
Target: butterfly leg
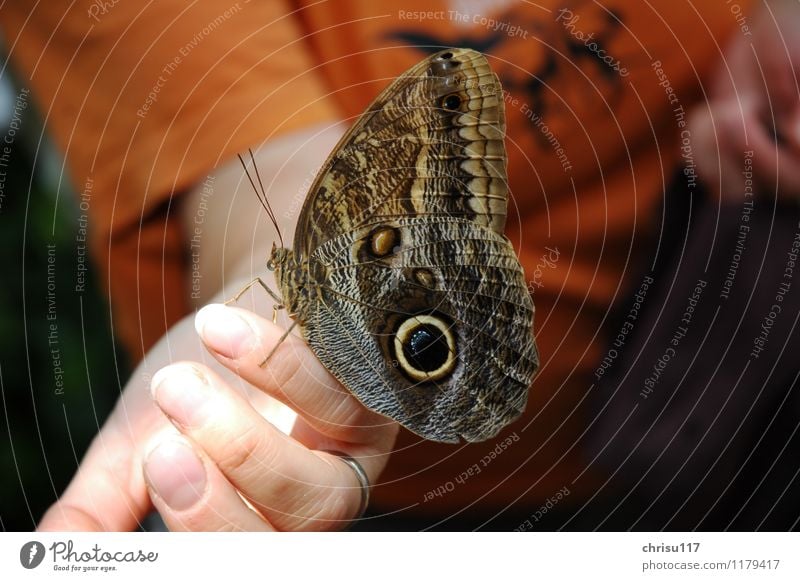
[248, 286]
[275, 308]
[281, 340]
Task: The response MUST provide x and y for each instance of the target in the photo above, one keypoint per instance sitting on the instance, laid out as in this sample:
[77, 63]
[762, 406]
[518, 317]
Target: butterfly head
[290, 279]
[278, 258]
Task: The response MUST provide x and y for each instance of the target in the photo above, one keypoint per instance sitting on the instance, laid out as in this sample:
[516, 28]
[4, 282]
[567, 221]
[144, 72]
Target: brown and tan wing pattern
[431, 144]
[401, 277]
[463, 276]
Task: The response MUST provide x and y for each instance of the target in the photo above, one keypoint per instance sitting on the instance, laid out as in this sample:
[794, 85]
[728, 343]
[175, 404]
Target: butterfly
[400, 276]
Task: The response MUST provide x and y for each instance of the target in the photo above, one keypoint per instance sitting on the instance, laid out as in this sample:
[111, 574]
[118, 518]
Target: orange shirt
[145, 100]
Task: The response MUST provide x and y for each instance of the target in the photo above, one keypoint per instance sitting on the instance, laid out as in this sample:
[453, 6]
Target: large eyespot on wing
[435, 334]
[430, 145]
[424, 347]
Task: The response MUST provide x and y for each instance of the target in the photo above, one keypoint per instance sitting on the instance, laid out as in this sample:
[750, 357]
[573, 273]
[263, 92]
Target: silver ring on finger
[361, 476]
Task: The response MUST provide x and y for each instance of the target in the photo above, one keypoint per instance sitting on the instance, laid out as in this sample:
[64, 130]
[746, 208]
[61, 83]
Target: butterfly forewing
[431, 143]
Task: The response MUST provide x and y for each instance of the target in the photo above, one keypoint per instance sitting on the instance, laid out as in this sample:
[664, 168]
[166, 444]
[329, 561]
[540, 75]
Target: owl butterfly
[401, 278]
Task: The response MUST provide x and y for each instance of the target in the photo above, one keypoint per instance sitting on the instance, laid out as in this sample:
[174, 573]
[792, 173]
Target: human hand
[754, 105]
[109, 490]
[287, 479]
[227, 449]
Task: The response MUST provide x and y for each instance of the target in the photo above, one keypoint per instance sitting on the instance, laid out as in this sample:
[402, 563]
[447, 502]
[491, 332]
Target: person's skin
[291, 486]
[754, 101]
[223, 449]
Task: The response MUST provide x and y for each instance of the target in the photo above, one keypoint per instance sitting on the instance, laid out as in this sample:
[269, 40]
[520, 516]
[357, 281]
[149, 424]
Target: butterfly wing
[430, 144]
[436, 334]
[415, 299]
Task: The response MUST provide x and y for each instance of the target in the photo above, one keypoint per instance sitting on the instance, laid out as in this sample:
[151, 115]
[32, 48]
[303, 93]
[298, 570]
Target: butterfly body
[401, 278]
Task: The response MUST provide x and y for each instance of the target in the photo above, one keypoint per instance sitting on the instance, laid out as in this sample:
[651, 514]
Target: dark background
[44, 431]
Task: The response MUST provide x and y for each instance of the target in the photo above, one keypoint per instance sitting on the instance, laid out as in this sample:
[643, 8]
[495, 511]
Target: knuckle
[290, 371]
[245, 452]
[346, 412]
[343, 505]
[335, 511]
[206, 520]
[224, 527]
[63, 516]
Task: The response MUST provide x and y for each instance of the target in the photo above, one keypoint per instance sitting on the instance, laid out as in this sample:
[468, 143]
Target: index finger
[240, 340]
[294, 487]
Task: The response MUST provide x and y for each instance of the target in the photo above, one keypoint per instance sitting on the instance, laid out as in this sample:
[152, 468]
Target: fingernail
[176, 474]
[182, 392]
[224, 331]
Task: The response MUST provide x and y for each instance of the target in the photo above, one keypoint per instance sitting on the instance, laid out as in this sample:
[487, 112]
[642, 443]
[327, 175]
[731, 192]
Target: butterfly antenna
[261, 193]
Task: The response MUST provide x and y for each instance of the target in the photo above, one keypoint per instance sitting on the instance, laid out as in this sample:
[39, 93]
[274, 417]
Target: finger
[776, 167]
[718, 159]
[777, 74]
[292, 486]
[779, 130]
[107, 492]
[191, 494]
[791, 131]
[241, 340]
[726, 133]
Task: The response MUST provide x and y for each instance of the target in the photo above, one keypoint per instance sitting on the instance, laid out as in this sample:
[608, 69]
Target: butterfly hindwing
[453, 277]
